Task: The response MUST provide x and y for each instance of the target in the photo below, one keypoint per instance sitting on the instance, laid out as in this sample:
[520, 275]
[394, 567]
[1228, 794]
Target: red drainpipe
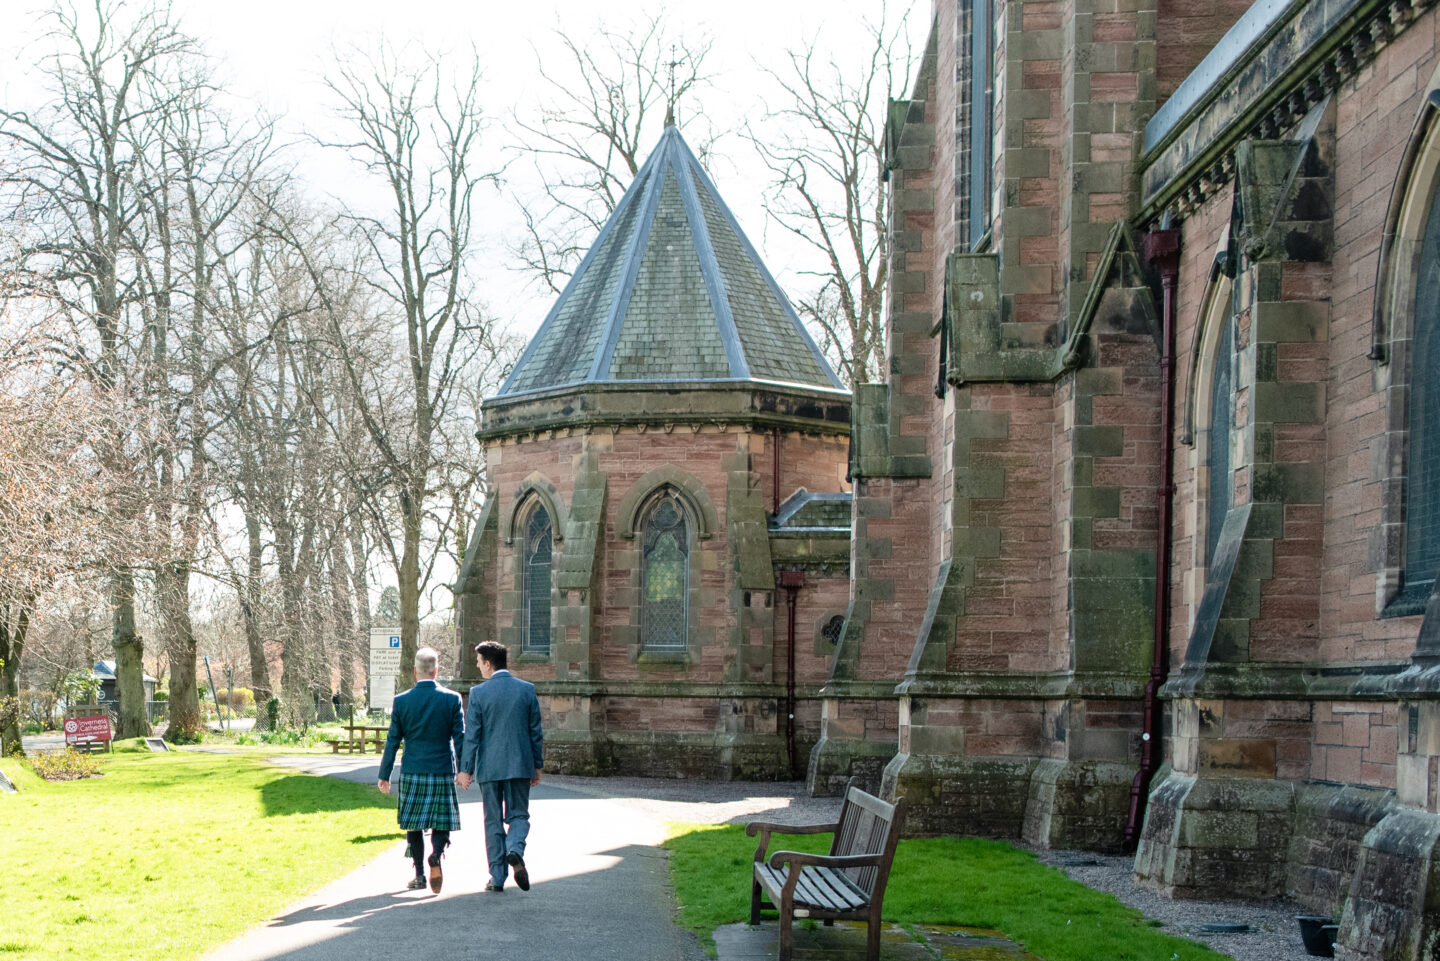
[792, 581]
[1162, 248]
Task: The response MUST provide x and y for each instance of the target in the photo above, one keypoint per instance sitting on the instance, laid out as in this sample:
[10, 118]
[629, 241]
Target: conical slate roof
[670, 292]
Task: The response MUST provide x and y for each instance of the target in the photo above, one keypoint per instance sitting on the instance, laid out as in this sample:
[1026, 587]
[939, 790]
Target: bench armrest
[767, 828]
[797, 860]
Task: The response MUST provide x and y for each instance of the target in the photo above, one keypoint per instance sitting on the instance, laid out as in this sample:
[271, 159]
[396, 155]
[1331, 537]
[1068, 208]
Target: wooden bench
[848, 884]
[350, 745]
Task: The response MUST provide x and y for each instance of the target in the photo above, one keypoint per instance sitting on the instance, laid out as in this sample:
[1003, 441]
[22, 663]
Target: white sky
[273, 52]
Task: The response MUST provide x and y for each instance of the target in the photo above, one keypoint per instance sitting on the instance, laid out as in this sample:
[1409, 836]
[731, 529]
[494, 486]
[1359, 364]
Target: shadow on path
[600, 891]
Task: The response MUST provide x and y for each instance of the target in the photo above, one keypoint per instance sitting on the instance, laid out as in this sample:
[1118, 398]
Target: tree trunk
[133, 720]
[12, 645]
[321, 630]
[362, 601]
[254, 642]
[409, 586]
[297, 698]
[342, 606]
[172, 582]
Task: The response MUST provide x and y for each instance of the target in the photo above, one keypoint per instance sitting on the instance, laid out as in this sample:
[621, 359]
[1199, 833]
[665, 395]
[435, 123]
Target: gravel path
[1272, 935]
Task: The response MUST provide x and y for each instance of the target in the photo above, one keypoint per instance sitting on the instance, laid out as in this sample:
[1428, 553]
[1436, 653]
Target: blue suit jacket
[430, 721]
[502, 730]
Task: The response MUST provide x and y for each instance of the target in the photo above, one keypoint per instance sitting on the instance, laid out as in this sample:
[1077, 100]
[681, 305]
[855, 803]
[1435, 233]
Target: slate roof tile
[670, 291]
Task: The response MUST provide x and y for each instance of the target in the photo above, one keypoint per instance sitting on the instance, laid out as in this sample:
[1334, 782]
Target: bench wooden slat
[816, 888]
[844, 889]
[810, 890]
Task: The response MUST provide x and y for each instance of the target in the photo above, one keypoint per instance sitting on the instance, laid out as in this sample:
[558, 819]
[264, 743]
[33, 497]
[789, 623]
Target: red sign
[84, 730]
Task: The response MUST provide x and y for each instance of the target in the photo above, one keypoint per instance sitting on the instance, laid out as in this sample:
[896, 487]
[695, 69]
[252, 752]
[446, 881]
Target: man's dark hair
[494, 653]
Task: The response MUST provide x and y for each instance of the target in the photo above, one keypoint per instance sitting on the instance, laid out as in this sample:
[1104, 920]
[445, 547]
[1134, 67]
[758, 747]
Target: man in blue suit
[504, 751]
[430, 722]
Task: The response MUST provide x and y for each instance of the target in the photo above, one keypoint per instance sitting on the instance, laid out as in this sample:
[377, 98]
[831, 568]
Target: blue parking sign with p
[394, 640]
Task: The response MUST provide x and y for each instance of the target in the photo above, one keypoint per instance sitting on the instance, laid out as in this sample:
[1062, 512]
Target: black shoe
[492, 888]
[437, 877]
[416, 883]
[517, 864]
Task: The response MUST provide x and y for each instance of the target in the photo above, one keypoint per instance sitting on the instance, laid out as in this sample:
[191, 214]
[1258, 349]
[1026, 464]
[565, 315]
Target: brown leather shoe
[437, 877]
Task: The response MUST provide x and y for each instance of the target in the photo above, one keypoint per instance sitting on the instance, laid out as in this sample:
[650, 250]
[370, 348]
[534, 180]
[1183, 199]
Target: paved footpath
[599, 891]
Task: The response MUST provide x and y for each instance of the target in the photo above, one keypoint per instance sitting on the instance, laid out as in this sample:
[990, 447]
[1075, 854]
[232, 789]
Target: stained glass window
[665, 576]
[1422, 480]
[539, 537]
[1222, 421]
[974, 121]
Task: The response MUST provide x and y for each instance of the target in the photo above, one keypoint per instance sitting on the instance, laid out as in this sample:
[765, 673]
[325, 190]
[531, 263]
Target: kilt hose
[427, 801]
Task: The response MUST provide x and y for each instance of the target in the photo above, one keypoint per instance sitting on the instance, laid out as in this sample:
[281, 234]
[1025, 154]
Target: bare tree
[199, 181]
[50, 481]
[824, 143]
[278, 385]
[69, 178]
[419, 135]
[605, 101]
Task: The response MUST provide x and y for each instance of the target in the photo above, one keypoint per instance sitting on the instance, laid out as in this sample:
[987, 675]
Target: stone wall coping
[613, 687]
[1376, 681]
[692, 404]
[1045, 686]
[1252, 29]
[1295, 57]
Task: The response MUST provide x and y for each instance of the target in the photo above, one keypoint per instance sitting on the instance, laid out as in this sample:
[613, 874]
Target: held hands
[384, 786]
[463, 780]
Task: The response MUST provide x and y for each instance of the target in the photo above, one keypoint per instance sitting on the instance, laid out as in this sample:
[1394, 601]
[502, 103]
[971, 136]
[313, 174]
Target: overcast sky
[272, 53]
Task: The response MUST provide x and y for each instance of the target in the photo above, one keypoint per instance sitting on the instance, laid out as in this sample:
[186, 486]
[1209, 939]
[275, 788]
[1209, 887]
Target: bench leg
[872, 939]
[754, 902]
[787, 936]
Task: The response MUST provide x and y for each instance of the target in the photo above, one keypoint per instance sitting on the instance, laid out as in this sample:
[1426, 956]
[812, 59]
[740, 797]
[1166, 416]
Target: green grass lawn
[949, 881]
[169, 855]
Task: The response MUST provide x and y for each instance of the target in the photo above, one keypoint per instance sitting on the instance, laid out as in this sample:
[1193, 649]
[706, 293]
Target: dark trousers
[439, 840]
[507, 822]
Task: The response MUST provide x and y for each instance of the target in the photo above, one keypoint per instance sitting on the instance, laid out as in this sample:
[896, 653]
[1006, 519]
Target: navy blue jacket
[429, 720]
[502, 735]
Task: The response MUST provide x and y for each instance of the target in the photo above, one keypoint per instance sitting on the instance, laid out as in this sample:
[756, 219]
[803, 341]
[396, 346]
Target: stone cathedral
[1136, 546]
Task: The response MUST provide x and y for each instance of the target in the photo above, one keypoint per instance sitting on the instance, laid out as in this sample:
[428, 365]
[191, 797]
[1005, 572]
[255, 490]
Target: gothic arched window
[1422, 474]
[665, 575]
[1220, 497]
[536, 551]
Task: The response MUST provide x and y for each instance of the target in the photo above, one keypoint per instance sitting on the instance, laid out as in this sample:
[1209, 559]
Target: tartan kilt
[428, 801]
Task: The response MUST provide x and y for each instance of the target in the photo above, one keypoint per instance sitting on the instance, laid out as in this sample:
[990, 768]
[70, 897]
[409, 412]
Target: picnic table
[359, 735]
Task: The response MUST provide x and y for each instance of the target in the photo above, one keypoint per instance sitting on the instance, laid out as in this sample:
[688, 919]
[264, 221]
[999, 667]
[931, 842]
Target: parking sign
[384, 653]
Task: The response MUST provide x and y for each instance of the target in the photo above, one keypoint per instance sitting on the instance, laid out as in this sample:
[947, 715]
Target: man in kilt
[430, 722]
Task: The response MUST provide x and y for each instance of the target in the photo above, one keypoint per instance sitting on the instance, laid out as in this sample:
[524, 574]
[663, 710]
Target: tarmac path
[599, 892]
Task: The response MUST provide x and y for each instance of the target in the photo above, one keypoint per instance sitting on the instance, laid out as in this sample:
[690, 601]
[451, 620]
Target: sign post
[384, 666]
[88, 731]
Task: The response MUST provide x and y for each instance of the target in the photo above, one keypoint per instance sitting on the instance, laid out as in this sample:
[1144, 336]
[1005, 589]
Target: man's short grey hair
[427, 659]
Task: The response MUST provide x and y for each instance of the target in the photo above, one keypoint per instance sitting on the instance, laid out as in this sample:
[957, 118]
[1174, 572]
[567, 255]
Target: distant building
[104, 672]
[653, 535]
